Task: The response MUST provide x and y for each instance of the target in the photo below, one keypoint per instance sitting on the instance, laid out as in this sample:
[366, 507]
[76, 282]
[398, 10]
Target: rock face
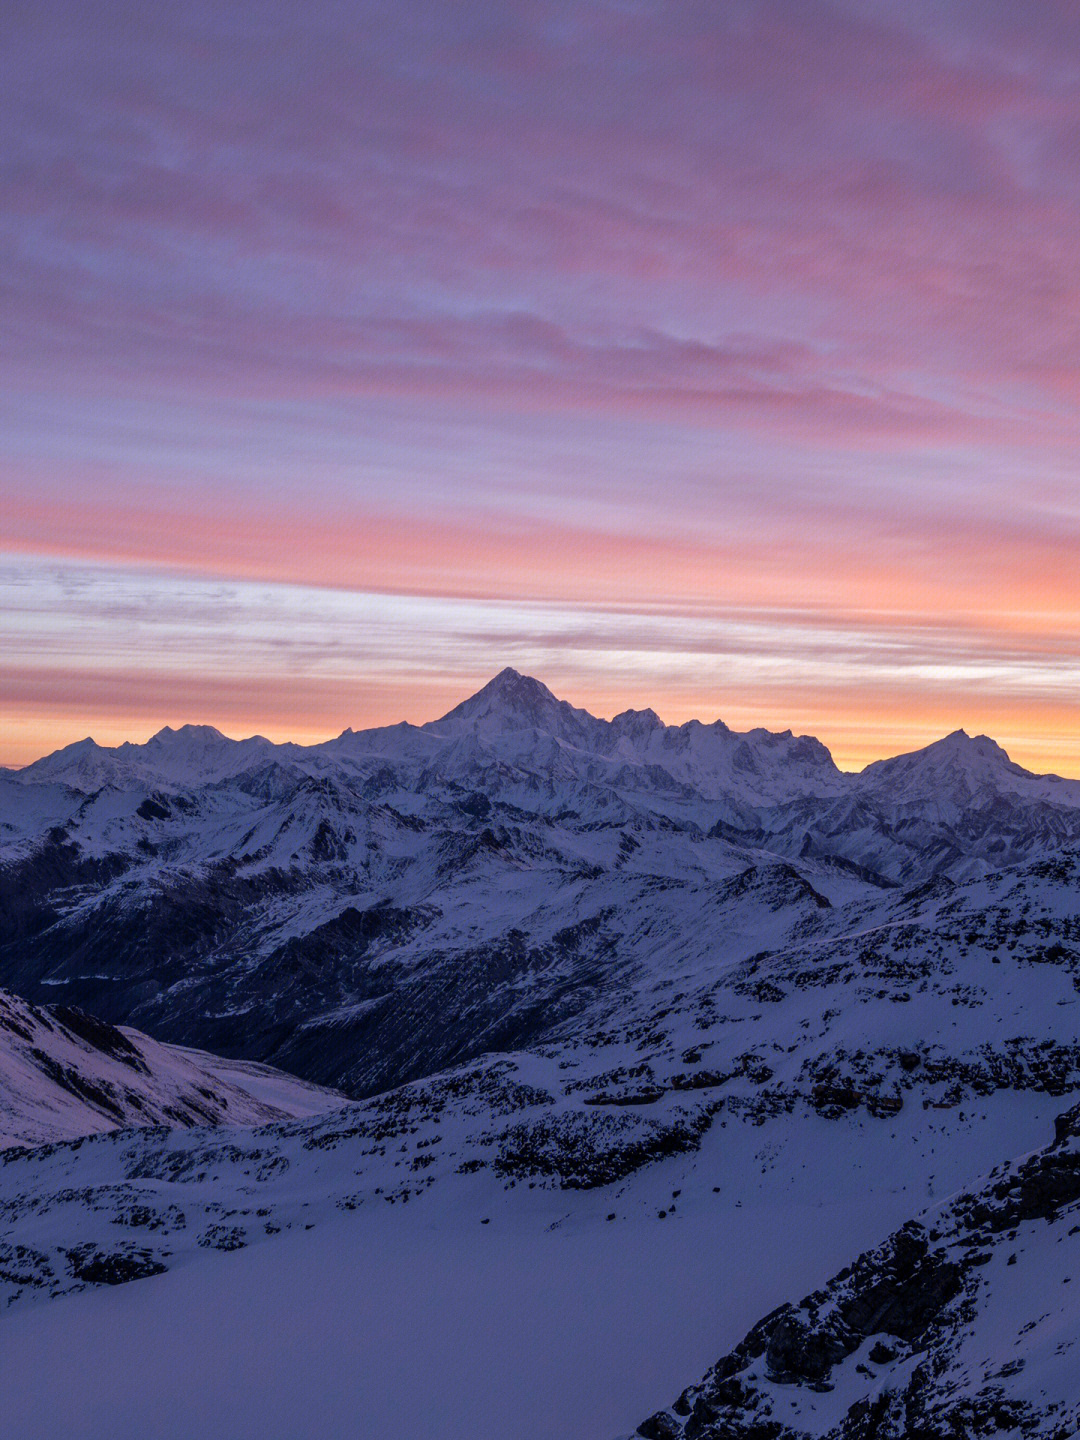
[954, 1326]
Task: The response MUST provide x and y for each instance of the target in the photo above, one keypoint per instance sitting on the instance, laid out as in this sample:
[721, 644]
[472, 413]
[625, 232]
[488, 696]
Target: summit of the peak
[637, 720]
[954, 770]
[513, 685]
[958, 743]
[78, 749]
[508, 690]
[513, 701]
[205, 733]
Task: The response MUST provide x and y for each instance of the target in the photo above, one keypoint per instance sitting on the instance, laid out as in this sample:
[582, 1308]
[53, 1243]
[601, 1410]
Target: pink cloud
[780, 299]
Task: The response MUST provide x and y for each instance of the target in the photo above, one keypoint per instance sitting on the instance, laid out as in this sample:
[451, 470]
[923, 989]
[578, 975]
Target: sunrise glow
[718, 358]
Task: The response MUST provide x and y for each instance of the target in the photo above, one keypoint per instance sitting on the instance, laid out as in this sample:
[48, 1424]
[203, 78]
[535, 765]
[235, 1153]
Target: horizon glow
[715, 358]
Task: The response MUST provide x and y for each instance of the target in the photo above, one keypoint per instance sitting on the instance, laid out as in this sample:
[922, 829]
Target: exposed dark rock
[93, 1266]
[582, 1151]
[101, 1036]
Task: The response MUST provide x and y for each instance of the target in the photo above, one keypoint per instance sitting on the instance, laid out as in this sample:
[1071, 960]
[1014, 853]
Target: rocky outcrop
[912, 1309]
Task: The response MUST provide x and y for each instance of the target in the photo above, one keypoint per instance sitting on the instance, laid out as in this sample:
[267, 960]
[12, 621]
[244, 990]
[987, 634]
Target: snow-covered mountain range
[369, 910]
[691, 1003]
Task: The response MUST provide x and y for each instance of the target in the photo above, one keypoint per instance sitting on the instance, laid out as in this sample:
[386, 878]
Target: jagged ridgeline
[373, 909]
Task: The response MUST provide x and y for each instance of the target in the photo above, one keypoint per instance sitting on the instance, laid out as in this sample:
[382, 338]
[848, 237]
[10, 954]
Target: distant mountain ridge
[370, 909]
[758, 764]
[507, 714]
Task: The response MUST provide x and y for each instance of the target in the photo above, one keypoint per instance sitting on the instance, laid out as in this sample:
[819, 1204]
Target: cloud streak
[629, 306]
[130, 650]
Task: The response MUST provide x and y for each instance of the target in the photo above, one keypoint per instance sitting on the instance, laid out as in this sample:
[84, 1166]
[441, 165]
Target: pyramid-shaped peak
[512, 684]
[508, 690]
[77, 750]
[955, 740]
[514, 701]
[84, 764]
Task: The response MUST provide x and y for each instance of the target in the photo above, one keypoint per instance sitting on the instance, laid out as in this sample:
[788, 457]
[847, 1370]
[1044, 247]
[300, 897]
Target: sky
[718, 357]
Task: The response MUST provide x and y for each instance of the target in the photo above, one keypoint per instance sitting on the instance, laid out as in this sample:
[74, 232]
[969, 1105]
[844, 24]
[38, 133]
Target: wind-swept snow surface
[388, 1327]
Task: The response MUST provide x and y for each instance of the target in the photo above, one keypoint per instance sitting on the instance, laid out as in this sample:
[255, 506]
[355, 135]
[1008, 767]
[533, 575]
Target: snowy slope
[64, 1074]
[963, 1322]
[481, 1254]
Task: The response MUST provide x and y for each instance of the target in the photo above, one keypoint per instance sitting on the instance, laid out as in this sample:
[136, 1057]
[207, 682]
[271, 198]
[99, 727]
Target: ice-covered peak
[187, 751]
[957, 753]
[508, 690]
[962, 769]
[188, 755]
[188, 736]
[512, 701]
[84, 765]
[637, 722]
[75, 751]
[960, 744]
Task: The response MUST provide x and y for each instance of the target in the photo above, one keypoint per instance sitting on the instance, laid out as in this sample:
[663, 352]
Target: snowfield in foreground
[466, 1258]
[478, 1309]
